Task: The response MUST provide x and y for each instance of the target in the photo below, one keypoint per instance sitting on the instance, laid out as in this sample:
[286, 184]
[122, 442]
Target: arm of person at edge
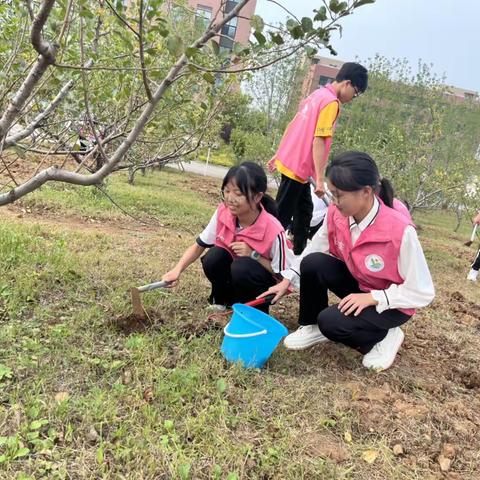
[320, 162]
[476, 220]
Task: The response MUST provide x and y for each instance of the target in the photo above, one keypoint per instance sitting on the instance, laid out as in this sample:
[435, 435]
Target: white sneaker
[305, 336]
[383, 354]
[472, 275]
[215, 307]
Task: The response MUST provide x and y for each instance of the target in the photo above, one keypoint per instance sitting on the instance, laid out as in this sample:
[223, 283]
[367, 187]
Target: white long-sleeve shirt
[416, 291]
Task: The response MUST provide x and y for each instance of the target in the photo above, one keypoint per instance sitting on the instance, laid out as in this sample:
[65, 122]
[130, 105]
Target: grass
[224, 156]
[80, 399]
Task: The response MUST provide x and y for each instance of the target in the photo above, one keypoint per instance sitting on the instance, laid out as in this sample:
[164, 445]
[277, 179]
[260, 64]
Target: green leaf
[36, 424]
[100, 455]
[175, 45]
[221, 385]
[363, 2]
[277, 39]
[260, 38]
[307, 24]
[169, 426]
[6, 372]
[257, 23]
[190, 52]
[208, 77]
[337, 7]
[321, 15]
[291, 24]
[311, 52]
[86, 13]
[162, 30]
[297, 32]
[184, 471]
[33, 435]
[22, 452]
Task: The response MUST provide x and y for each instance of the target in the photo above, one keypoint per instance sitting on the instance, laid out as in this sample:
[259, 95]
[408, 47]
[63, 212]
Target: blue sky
[445, 33]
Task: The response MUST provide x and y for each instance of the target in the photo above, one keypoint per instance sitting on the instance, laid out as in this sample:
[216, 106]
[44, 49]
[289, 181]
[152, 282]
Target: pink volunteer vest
[295, 149]
[259, 236]
[402, 208]
[373, 260]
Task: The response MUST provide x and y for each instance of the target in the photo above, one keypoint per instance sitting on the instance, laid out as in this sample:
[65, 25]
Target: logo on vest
[340, 245]
[374, 263]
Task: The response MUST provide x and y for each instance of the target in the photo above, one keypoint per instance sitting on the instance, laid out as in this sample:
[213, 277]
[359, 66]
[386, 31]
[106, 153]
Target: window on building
[230, 29]
[230, 5]
[226, 44]
[324, 80]
[203, 15]
[228, 32]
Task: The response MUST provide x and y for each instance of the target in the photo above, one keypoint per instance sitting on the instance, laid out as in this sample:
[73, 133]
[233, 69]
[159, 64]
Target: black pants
[235, 281]
[294, 200]
[318, 274]
[476, 262]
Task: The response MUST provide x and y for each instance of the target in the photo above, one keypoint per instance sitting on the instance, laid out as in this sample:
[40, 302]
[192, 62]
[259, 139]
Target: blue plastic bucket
[251, 336]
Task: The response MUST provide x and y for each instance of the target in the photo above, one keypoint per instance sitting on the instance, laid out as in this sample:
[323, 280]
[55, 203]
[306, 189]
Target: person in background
[303, 151]
[473, 273]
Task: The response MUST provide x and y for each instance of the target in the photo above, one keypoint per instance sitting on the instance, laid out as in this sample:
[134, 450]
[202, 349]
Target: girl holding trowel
[247, 245]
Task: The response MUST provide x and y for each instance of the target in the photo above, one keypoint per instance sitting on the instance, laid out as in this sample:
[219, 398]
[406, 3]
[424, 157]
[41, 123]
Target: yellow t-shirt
[326, 120]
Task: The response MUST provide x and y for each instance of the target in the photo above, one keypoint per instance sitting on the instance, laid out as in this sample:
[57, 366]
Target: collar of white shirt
[368, 219]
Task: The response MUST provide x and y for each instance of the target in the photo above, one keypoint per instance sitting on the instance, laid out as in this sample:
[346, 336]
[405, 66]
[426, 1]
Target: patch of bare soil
[129, 324]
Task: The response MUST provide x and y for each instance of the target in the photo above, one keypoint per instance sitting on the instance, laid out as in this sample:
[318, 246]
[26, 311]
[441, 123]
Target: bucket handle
[243, 335]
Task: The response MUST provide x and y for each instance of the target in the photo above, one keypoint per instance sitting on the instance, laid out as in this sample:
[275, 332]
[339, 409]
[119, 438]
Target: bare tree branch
[142, 57]
[46, 58]
[27, 131]
[54, 173]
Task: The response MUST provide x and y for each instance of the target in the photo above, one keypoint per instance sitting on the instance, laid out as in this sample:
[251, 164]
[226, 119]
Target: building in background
[323, 70]
[235, 31]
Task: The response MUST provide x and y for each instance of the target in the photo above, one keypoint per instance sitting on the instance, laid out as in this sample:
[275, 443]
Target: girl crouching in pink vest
[367, 253]
[247, 244]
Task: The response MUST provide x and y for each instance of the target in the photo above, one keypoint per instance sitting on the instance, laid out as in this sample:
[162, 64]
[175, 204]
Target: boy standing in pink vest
[367, 253]
[304, 148]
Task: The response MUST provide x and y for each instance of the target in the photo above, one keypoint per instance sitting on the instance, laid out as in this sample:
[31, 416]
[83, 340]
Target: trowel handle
[153, 286]
[472, 238]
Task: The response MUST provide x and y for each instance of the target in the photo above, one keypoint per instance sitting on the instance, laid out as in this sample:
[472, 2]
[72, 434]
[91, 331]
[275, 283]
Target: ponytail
[270, 205]
[351, 171]
[386, 192]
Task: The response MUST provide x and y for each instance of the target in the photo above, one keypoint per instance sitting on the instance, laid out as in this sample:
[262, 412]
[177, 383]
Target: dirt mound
[128, 324]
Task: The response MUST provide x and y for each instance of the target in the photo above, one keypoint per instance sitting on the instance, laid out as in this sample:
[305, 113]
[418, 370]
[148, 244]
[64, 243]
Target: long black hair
[250, 179]
[351, 171]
